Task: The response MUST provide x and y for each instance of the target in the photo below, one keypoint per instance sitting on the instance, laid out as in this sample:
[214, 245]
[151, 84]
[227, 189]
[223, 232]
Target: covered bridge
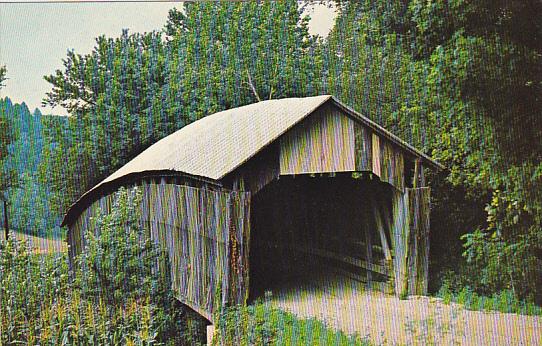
[255, 195]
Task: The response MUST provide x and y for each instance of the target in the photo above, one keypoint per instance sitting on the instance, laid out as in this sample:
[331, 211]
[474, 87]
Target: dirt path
[386, 320]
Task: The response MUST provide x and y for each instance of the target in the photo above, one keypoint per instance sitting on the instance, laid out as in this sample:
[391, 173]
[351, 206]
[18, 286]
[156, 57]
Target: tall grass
[504, 301]
[114, 298]
[261, 324]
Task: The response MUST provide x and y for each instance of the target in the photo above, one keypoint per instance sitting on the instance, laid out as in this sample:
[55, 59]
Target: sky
[34, 37]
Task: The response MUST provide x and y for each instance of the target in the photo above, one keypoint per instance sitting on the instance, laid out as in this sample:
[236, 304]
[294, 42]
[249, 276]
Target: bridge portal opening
[311, 229]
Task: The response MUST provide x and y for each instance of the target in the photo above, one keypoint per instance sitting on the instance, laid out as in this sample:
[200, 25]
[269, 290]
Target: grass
[504, 301]
[261, 324]
[39, 305]
[40, 245]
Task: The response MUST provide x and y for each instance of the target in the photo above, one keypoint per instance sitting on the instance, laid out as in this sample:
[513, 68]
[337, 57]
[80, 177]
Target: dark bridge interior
[306, 228]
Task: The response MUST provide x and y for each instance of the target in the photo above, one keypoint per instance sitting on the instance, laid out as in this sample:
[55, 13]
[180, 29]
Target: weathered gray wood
[323, 143]
[418, 180]
[376, 155]
[381, 231]
[205, 234]
[363, 148]
[419, 210]
[361, 243]
[374, 285]
[411, 241]
[400, 232]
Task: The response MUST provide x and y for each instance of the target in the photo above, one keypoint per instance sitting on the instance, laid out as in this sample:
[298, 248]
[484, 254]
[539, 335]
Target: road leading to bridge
[345, 304]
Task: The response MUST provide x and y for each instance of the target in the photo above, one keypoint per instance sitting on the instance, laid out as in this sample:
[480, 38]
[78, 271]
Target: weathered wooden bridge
[249, 197]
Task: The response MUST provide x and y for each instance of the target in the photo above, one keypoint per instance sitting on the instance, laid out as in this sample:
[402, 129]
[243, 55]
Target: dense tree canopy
[463, 80]
[460, 79]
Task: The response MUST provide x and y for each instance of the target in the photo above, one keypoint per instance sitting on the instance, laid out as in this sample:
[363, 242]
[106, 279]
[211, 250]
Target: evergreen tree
[8, 177]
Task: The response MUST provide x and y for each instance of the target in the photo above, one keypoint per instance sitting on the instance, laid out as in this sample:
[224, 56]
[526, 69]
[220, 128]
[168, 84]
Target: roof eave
[126, 179]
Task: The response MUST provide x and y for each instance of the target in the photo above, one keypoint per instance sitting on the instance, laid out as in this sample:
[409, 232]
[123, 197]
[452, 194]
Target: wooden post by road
[6, 224]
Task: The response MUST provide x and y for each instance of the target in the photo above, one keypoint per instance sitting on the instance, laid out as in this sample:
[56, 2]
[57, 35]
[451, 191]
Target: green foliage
[28, 200]
[3, 78]
[133, 90]
[506, 301]
[119, 257]
[460, 79]
[39, 304]
[8, 135]
[260, 324]
[113, 94]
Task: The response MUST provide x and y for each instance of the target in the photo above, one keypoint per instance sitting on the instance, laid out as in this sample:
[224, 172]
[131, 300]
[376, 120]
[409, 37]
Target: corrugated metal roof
[219, 143]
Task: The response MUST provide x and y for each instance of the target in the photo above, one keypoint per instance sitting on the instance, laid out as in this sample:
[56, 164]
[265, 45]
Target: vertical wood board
[192, 226]
[322, 143]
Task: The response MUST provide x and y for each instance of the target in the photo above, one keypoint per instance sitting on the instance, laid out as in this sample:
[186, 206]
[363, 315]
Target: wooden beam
[357, 262]
[422, 176]
[376, 285]
[381, 231]
[362, 243]
[210, 334]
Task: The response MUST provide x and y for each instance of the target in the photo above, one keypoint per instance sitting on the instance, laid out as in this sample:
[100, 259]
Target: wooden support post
[6, 223]
[418, 180]
[368, 242]
[210, 334]
[385, 215]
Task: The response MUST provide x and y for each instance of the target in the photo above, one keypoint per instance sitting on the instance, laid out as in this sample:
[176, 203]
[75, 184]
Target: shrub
[119, 260]
[118, 296]
[504, 301]
[260, 324]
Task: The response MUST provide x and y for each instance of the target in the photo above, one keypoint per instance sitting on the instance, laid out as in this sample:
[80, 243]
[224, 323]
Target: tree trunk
[6, 225]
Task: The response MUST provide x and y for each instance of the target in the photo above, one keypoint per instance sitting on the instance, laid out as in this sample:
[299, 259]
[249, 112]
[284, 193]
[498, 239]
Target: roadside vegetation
[114, 296]
[111, 297]
[461, 80]
[503, 301]
[262, 324]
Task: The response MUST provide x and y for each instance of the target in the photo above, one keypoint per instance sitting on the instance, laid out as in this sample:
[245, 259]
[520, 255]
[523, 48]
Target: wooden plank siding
[331, 142]
[410, 238]
[197, 227]
[323, 142]
[418, 264]
[256, 173]
[376, 155]
[364, 148]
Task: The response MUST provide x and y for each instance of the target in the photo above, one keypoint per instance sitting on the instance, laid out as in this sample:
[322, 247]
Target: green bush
[504, 301]
[118, 296]
[120, 261]
[260, 324]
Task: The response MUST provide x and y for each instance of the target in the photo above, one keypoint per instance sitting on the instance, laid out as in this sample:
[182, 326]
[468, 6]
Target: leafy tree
[133, 90]
[113, 95]
[460, 79]
[3, 78]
